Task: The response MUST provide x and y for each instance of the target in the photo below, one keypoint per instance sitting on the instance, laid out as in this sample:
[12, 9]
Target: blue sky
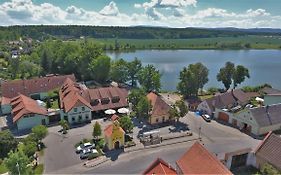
[172, 13]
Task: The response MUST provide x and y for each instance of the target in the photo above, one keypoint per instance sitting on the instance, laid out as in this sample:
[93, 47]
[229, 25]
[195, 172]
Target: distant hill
[137, 32]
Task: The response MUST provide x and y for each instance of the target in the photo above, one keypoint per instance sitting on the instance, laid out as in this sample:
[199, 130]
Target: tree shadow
[114, 154]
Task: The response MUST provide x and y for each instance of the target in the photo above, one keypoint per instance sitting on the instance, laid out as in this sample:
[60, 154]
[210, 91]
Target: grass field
[247, 42]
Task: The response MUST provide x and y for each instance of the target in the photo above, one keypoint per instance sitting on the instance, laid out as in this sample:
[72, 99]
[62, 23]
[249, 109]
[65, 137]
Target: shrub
[93, 156]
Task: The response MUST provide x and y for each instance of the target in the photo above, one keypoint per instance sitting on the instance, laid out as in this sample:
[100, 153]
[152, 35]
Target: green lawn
[3, 169]
[39, 169]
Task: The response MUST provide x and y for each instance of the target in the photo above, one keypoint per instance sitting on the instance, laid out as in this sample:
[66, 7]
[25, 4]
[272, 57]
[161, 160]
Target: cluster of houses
[235, 108]
[21, 100]
[198, 160]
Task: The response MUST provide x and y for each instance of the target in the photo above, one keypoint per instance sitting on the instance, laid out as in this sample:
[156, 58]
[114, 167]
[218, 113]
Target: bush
[39, 169]
[100, 143]
[83, 141]
[93, 156]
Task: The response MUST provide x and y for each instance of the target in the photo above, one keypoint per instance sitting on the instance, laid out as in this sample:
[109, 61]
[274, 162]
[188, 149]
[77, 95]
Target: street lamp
[18, 167]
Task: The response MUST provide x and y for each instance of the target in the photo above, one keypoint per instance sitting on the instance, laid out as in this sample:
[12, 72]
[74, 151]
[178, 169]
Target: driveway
[60, 151]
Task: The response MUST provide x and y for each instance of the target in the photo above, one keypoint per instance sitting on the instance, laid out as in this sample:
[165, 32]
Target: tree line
[42, 32]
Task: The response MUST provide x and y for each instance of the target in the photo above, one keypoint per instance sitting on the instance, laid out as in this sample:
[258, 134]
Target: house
[88, 102]
[256, 121]
[27, 113]
[160, 109]
[114, 136]
[159, 167]
[75, 109]
[36, 88]
[268, 90]
[269, 151]
[6, 107]
[225, 100]
[198, 160]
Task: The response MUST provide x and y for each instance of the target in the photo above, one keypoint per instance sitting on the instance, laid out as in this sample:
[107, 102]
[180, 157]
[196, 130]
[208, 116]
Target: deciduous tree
[39, 132]
[126, 123]
[97, 130]
[17, 162]
[133, 69]
[149, 78]
[100, 68]
[119, 71]
[7, 143]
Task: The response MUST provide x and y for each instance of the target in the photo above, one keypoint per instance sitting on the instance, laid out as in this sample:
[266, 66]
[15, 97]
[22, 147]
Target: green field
[247, 42]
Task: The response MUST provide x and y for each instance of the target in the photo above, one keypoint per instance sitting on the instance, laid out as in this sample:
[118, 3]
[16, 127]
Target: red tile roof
[114, 117]
[160, 167]
[198, 160]
[270, 150]
[23, 105]
[71, 96]
[159, 106]
[36, 85]
[5, 101]
[109, 130]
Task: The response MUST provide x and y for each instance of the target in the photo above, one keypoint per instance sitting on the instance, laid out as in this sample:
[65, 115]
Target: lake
[264, 65]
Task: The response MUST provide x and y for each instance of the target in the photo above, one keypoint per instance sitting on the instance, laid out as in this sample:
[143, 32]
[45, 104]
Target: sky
[166, 13]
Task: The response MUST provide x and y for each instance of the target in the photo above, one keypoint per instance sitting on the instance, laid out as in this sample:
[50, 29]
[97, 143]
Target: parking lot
[60, 151]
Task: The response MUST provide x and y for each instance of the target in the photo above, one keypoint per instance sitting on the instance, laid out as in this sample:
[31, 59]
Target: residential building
[36, 88]
[77, 101]
[75, 109]
[225, 100]
[6, 107]
[27, 113]
[269, 151]
[160, 167]
[256, 121]
[160, 109]
[198, 160]
[114, 136]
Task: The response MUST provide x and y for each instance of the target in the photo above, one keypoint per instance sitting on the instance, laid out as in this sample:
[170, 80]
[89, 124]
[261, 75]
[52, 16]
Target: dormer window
[94, 102]
[115, 99]
[105, 101]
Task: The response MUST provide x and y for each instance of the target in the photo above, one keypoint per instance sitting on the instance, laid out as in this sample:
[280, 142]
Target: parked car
[206, 117]
[84, 146]
[86, 152]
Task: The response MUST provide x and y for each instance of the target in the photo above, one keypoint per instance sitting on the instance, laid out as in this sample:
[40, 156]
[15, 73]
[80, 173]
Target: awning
[110, 111]
[123, 111]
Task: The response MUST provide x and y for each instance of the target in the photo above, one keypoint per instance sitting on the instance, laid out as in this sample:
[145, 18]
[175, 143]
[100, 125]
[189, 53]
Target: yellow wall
[152, 119]
[117, 135]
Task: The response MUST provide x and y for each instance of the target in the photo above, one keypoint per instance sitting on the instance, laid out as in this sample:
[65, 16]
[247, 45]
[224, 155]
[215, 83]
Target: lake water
[264, 65]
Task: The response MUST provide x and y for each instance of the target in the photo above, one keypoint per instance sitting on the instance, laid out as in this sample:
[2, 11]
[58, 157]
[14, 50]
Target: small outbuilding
[114, 136]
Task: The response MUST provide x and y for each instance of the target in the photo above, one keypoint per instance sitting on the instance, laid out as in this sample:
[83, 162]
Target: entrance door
[239, 161]
[117, 145]
[43, 121]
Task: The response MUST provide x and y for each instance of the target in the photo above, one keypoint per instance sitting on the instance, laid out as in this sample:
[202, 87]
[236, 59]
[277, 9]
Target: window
[80, 117]
[75, 109]
[73, 119]
[83, 108]
[157, 120]
[87, 116]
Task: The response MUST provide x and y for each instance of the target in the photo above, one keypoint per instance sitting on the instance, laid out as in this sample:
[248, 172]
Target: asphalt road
[217, 138]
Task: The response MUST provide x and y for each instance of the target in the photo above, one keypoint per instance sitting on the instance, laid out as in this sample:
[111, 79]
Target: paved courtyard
[60, 151]
[218, 138]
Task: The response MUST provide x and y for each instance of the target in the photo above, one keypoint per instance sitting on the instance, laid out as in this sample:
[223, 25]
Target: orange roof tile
[5, 101]
[22, 105]
[159, 106]
[109, 130]
[198, 160]
[160, 167]
[114, 117]
[13, 88]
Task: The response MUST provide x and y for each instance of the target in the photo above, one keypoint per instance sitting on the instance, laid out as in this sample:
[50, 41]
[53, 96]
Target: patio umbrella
[123, 110]
[110, 111]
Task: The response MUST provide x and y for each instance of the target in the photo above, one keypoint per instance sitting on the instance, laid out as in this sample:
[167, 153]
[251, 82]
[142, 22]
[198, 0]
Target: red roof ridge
[206, 153]
[161, 162]
[263, 141]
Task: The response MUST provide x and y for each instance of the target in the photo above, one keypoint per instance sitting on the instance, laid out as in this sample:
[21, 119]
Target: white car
[84, 146]
[86, 152]
[206, 117]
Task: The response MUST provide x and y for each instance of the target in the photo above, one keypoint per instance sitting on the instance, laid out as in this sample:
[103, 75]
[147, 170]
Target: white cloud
[110, 10]
[26, 12]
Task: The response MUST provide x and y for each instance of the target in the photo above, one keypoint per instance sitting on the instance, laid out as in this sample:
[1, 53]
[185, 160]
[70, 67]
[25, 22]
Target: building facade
[114, 136]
